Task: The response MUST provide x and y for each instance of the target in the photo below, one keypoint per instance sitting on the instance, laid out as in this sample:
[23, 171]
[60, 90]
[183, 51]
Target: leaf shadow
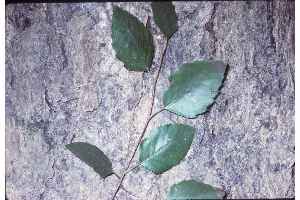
[227, 69]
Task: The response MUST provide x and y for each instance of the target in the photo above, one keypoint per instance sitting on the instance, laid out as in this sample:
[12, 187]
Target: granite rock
[64, 84]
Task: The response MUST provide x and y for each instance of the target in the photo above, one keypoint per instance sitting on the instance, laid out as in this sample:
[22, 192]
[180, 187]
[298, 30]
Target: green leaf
[131, 40]
[194, 87]
[93, 157]
[165, 17]
[166, 146]
[191, 189]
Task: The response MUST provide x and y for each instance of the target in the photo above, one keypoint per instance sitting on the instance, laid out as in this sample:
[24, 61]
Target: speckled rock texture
[63, 84]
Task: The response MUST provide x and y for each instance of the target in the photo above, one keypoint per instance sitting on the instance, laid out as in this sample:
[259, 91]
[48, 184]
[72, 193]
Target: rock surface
[63, 84]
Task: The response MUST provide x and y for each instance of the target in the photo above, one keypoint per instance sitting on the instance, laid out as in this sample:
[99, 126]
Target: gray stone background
[63, 84]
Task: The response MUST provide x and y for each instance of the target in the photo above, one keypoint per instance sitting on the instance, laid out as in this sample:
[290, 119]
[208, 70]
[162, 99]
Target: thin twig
[135, 150]
[132, 168]
[128, 192]
[150, 117]
[123, 187]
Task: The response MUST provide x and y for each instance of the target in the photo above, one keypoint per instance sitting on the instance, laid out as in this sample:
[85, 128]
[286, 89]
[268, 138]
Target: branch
[157, 76]
[150, 117]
